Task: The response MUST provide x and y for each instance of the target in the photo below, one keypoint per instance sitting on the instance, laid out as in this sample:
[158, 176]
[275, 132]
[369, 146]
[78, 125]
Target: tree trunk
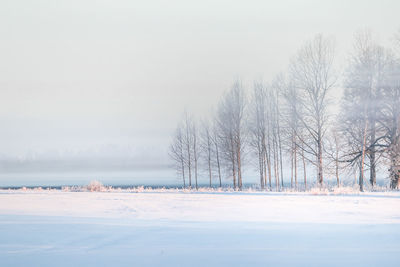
[361, 177]
[209, 162]
[189, 166]
[233, 165]
[239, 168]
[261, 168]
[218, 164]
[372, 153]
[361, 180]
[234, 173]
[265, 168]
[269, 167]
[304, 170]
[183, 172]
[337, 169]
[279, 148]
[280, 153]
[295, 166]
[291, 166]
[320, 170]
[372, 171]
[275, 165]
[394, 170]
[195, 161]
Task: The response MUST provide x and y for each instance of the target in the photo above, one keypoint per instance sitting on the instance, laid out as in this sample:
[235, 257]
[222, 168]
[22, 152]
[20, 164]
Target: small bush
[95, 186]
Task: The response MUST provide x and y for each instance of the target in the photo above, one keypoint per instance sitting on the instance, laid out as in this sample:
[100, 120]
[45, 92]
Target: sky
[110, 79]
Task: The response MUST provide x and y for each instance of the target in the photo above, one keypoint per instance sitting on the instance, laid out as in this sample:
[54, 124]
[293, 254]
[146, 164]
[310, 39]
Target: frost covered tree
[291, 112]
[391, 111]
[231, 131]
[361, 87]
[176, 152]
[184, 149]
[390, 119]
[207, 148]
[362, 103]
[312, 73]
[195, 150]
[370, 109]
[257, 128]
[188, 143]
[264, 133]
[215, 139]
[274, 133]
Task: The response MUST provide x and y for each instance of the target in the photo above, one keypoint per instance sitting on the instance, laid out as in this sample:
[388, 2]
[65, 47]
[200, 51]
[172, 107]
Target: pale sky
[86, 75]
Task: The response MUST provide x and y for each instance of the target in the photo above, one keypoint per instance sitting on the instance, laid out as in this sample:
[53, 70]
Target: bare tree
[353, 128]
[230, 119]
[278, 130]
[257, 128]
[188, 142]
[293, 130]
[312, 73]
[362, 103]
[207, 148]
[195, 151]
[216, 143]
[391, 112]
[275, 129]
[291, 114]
[176, 152]
[389, 141]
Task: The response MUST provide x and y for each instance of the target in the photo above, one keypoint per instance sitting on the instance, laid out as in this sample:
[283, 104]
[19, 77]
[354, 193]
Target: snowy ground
[55, 228]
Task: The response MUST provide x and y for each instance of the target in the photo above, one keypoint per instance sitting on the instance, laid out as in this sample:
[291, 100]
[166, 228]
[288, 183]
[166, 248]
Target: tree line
[292, 122]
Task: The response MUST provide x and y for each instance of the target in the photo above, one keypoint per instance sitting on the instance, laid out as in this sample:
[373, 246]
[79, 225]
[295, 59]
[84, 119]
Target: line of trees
[290, 124]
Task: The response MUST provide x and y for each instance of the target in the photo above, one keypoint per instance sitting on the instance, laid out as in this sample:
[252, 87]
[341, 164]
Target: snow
[210, 228]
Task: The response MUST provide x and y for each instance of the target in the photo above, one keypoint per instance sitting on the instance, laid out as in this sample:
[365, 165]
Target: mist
[96, 87]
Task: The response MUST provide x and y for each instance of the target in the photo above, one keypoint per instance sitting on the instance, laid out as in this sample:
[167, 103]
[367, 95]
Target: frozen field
[171, 228]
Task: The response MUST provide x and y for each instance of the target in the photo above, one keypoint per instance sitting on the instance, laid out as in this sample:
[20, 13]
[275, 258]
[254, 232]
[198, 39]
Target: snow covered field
[175, 228]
